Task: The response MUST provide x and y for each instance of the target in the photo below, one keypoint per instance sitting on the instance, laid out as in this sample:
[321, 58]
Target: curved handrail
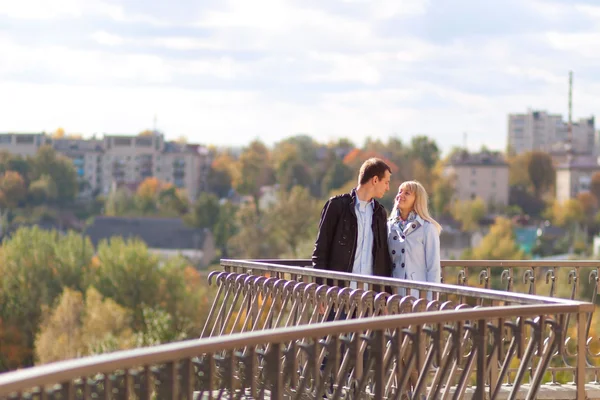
[63, 371]
[394, 282]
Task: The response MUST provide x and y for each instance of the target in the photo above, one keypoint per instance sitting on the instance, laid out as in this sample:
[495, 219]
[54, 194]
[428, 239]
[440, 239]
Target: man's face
[382, 185]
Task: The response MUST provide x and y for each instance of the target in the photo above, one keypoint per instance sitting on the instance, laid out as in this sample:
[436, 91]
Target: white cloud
[332, 74]
[42, 9]
[582, 44]
[106, 38]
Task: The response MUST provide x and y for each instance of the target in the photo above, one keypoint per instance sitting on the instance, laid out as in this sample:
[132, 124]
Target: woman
[414, 237]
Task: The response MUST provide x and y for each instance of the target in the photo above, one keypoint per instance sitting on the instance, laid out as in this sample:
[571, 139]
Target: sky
[225, 72]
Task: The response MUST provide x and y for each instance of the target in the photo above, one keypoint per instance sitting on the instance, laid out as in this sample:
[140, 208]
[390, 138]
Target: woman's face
[405, 198]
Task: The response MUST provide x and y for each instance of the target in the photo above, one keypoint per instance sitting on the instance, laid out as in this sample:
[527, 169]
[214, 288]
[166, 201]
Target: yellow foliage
[150, 187]
[499, 243]
[75, 328]
[59, 133]
[469, 212]
[568, 212]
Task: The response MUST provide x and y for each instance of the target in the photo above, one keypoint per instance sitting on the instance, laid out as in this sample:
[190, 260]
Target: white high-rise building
[538, 130]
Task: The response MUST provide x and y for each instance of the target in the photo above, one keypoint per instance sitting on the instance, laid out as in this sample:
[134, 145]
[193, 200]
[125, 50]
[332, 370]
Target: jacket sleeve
[432, 255]
[322, 249]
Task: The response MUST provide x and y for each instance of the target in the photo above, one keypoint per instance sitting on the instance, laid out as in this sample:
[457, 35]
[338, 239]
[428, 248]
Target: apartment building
[24, 144]
[538, 130]
[115, 160]
[483, 174]
[575, 176]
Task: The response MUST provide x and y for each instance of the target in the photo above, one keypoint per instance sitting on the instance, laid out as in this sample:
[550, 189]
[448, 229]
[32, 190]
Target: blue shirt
[363, 257]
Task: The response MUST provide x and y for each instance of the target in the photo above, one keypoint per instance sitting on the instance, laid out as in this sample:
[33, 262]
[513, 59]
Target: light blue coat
[415, 252]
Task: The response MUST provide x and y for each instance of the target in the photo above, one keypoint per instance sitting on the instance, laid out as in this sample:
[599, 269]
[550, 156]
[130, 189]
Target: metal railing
[268, 336]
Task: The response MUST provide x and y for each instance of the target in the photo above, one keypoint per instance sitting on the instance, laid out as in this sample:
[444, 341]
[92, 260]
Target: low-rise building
[483, 174]
[166, 237]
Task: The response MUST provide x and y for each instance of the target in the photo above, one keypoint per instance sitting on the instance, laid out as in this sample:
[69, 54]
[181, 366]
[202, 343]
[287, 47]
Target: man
[352, 233]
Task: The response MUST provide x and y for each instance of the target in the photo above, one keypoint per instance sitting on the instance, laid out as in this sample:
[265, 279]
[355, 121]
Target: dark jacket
[335, 246]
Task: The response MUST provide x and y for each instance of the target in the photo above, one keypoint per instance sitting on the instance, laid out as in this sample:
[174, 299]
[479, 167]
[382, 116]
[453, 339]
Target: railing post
[481, 359]
[581, 355]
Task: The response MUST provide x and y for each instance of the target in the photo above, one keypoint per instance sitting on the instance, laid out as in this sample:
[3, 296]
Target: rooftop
[483, 158]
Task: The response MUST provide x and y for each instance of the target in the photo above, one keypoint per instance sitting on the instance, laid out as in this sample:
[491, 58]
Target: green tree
[499, 243]
[226, 227]
[35, 266]
[173, 202]
[43, 190]
[128, 273]
[469, 212]
[426, 150]
[541, 172]
[295, 227]
[291, 168]
[60, 169]
[252, 225]
[253, 171]
[205, 211]
[336, 177]
[119, 203]
[441, 196]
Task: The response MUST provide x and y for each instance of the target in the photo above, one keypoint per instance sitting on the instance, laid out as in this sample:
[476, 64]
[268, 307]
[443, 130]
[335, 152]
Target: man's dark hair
[371, 168]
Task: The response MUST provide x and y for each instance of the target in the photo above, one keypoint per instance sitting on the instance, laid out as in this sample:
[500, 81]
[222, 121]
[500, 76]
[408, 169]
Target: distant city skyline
[226, 72]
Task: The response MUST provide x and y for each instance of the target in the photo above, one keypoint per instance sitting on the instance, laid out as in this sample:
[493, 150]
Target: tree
[119, 203]
[33, 277]
[426, 150]
[521, 197]
[173, 201]
[253, 171]
[60, 332]
[469, 212]
[517, 172]
[595, 185]
[541, 172]
[43, 190]
[78, 327]
[568, 213]
[105, 325]
[12, 189]
[205, 211]
[128, 273]
[225, 227]
[336, 176]
[295, 227]
[60, 169]
[59, 133]
[220, 175]
[589, 203]
[499, 243]
[441, 196]
[254, 237]
[147, 193]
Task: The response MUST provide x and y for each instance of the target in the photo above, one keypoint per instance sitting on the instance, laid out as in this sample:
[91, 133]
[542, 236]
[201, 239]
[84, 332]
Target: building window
[24, 139]
[122, 141]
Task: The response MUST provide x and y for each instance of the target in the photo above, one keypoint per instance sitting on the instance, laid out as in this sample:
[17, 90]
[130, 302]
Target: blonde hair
[421, 200]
